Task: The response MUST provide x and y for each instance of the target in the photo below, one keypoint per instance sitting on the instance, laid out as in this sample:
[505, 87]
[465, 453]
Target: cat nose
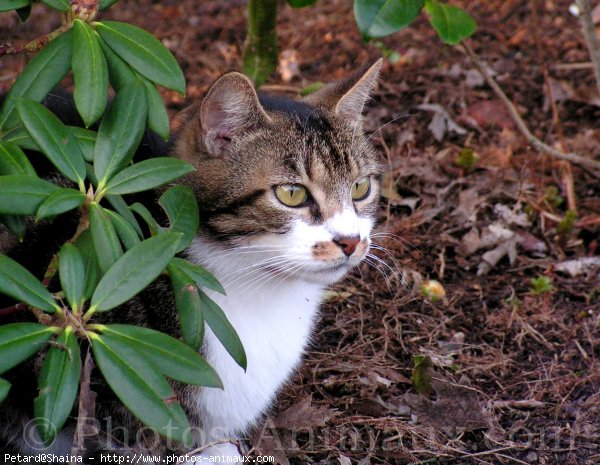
[347, 244]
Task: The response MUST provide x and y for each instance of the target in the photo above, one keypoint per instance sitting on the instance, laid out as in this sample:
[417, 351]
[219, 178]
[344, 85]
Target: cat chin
[328, 276]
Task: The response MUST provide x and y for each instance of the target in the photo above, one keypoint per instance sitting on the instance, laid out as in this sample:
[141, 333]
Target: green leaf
[15, 224]
[90, 74]
[120, 206]
[453, 24]
[173, 358]
[119, 72]
[225, 332]
[201, 277]
[189, 307]
[144, 52]
[18, 135]
[379, 18]
[21, 285]
[125, 231]
[92, 273]
[19, 341]
[60, 5]
[4, 389]
[86, 140]
[158, 119]
[147, 174]
[71, 268]
[57, 385]
[121, 131]
[147, 217]
[53, 138]
[179, 202]
[106, 243]
[14, 161]
[104, 4]
[301, 3]
[136, 269]
[22, 195]
[39, 77]
[140, 387]
[60, 201]
[7, 5]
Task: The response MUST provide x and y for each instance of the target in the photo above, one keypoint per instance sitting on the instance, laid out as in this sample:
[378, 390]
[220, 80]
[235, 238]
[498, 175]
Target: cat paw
[227, 453]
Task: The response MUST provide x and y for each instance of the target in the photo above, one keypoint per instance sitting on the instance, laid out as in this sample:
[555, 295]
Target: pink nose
[347, 244]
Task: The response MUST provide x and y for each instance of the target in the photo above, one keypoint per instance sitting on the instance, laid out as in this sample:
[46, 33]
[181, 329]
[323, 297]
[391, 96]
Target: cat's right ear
[230, 108]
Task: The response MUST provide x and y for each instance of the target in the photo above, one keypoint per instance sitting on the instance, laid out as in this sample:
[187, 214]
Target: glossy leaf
[126, 233]
[86, 140]
[189, 307]
[147, 217]
[379, 18]
[106, 243]
[201, 277]
[53, 138]
[13, 160]
[4, 389]
[39, 77]
[119, 72]
[104, 4]
[19, 341]
[121, 131]
[140, 386]
[17, 225]
[144, 52]
[173, 358]
[7, 5]
[60, 5]
[57, 385]
[147, 174]
[136, 269]
[121, 207]
[90, 73]
[19, 136]
[22, 195]
[453, 24]
[71, 268]
[225, 332]
[158, 119]
[18, 283]
[179, 202]
[60, 201]
[85, 245]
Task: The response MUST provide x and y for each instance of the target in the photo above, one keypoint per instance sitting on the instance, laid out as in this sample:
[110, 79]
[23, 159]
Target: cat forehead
[310, 142]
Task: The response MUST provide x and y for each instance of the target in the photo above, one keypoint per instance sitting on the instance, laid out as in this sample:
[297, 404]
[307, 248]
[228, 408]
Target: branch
[592, 166]
[589, 33]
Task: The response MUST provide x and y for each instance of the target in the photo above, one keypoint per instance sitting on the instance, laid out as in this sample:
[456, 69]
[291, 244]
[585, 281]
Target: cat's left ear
[347, 98]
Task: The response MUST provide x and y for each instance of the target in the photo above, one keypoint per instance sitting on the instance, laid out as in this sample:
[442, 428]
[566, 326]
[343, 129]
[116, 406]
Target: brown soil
[516, 374]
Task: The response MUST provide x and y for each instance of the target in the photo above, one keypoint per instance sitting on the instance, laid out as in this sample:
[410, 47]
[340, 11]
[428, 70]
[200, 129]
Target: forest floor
[514, 364]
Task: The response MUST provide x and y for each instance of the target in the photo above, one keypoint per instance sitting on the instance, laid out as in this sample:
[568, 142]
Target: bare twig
[589, 33]
[36, 44]
[592, 166]
[86, 414]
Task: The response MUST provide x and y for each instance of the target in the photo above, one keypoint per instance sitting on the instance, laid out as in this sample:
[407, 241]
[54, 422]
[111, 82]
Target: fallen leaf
[578, 266]
[344, 460]
[303, 415]
[441, 123]
[490, 113]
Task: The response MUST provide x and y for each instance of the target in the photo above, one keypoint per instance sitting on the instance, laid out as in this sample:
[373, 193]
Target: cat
[287, 191]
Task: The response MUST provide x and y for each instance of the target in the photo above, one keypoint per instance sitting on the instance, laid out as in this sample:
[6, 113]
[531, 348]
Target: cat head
[290, 186]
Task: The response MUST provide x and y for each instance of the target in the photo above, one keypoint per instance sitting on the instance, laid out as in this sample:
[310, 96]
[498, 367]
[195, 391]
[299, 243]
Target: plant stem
[589, 33]
[592, 166]
[260, 49]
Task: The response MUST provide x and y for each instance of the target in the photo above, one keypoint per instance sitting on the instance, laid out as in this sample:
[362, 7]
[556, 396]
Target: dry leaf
[441, 123]
[303, 415]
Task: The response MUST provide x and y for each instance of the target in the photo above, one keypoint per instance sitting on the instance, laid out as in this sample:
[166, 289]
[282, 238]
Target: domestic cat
[287, 192]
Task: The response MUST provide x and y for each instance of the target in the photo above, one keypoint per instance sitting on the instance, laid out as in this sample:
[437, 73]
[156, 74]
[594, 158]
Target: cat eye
[361, 188]
[293, 195]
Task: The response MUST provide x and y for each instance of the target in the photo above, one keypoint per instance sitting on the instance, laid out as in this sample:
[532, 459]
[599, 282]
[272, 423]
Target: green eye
[293, 195]
[361, 188]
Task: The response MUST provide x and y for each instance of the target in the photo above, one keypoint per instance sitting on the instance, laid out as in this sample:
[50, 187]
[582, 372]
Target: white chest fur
[274, 321]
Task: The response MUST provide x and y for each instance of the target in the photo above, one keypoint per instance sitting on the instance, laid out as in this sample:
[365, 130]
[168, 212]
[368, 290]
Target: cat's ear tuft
[347, 98]
[230, 108]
